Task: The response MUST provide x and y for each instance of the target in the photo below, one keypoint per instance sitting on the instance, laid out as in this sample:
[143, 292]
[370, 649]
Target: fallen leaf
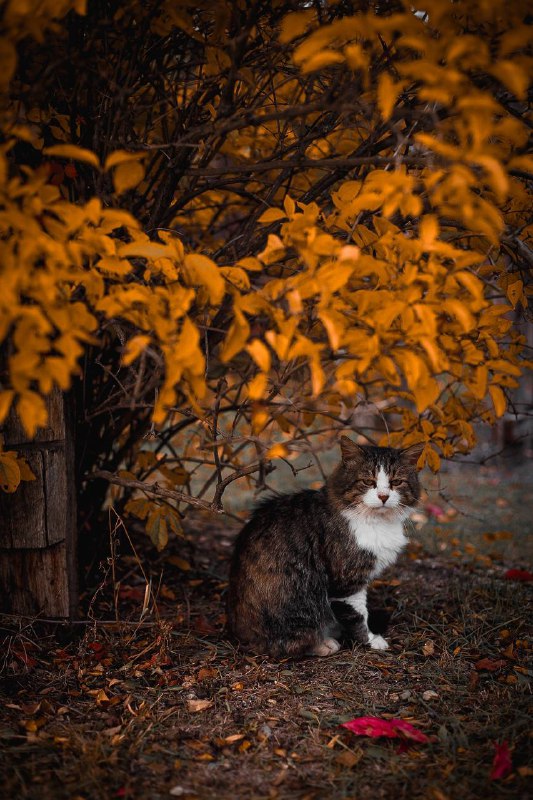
[428, 648]
[101, 698]
[348, 758]
[198, 705]
[236, 737]
[205, 673]
[391, 728]
[490, 664]
[501, 763]
[430, 695]
[518, 575]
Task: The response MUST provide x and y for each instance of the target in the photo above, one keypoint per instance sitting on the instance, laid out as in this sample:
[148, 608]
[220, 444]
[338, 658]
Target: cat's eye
[397, 483]
[367, 482]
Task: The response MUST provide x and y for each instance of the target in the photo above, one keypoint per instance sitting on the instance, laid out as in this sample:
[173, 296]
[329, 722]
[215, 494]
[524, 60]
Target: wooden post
[38, 571]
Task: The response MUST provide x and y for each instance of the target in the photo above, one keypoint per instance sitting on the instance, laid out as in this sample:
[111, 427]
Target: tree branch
[155, 490]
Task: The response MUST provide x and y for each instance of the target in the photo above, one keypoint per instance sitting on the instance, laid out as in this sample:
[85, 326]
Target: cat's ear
[411, 454]
[350, 450]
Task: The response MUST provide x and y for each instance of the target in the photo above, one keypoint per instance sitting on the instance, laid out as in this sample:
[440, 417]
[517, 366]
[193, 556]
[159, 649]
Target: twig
[219, 491]
[156, 490]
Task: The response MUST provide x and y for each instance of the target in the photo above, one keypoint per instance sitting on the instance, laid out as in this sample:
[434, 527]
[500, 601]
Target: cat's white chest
[384, 538]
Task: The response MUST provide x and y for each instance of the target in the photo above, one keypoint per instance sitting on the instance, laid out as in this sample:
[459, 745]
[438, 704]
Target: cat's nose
[383, 497]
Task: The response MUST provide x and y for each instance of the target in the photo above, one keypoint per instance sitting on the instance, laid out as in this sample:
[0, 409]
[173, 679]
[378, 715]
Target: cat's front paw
[327, 647]
[377, 642]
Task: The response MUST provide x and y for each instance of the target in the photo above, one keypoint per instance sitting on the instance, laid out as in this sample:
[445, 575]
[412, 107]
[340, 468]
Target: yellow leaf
[251, 264]
[260, 354]
[502, 365]
[127, 176]
[114, 265]
[32, 411]
[497, 176]
[257, 386]
[272, 215]
[478, 386]
[515, 291]
[333, 329]
[205, 272]
[436, 357]
[429, 231]
[321, 60]
[472, 283]
[498, 400]
[387, 94]
[260, 418]
[346, 387]
[277, 451]
[432, 458]
[318, 377]
[134, 348]
[356, 58]
[74, 152]
[294, 25]
[6, 398]
[273, 251]
[289, 205]
[349, 253]
[413, 366]
[156, 527]
[512, 76]
[426, 394]
[458, 310]
[236, 276]
[335, 275]
[237, 335]
[9, 472]
[139, 507]
[143, 250]
[121, 157]
[25, 471]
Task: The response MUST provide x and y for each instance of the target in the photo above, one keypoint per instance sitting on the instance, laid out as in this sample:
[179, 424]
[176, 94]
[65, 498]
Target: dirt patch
[167, 707]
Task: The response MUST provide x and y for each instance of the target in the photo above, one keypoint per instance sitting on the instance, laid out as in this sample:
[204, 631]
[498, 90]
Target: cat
[303, 562]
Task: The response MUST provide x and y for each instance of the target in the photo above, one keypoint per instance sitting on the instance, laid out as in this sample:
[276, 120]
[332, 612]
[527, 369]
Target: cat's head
[376, 481]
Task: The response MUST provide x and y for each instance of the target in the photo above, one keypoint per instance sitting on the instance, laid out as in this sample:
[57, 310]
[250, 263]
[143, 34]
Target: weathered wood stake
[38, 571]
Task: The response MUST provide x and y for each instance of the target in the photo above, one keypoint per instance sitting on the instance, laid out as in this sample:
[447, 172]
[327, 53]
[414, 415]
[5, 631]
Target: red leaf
[518, 575]
[490, 664]
[391, 728]
[501, 763]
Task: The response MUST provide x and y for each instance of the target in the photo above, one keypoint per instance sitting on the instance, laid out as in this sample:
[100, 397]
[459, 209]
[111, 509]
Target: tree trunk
[38, 571]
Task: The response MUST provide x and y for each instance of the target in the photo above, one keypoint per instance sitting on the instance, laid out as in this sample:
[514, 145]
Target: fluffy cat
[303, 562]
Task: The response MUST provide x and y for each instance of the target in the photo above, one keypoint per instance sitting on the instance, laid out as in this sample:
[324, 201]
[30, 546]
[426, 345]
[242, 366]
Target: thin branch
[155, 490]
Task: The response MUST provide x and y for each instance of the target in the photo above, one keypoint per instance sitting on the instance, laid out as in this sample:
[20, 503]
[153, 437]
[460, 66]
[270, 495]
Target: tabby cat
[302, 563]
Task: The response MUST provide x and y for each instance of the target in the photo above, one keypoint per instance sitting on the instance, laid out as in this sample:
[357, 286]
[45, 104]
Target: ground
[151, 700]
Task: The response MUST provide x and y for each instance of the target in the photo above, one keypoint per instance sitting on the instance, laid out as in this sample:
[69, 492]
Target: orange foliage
[303, 216]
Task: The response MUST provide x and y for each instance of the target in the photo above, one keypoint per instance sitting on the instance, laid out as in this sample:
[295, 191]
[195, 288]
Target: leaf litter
[167, 706]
